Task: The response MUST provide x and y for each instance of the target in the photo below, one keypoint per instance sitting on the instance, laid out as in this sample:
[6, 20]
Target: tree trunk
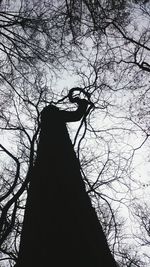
[60, 225]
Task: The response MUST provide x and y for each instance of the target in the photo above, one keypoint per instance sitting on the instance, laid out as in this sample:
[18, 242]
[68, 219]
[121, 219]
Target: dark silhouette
[60, 225]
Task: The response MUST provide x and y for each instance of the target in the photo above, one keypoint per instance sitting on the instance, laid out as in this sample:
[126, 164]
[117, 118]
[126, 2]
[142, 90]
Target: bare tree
[103, 44]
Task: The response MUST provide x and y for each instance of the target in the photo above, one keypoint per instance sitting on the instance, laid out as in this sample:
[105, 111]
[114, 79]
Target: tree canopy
[47, 47]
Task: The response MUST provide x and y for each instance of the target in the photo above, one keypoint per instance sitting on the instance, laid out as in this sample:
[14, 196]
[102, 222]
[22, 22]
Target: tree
[105, 48]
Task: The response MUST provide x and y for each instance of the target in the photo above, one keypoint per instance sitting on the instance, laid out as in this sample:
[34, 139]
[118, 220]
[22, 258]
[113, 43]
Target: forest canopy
[47, 47]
